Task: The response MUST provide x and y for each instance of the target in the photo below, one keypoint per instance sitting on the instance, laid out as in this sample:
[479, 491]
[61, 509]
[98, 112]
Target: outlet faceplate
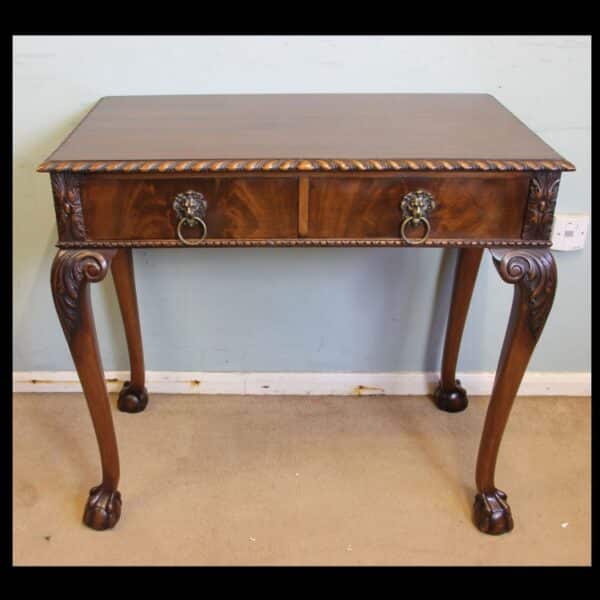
[569, 232]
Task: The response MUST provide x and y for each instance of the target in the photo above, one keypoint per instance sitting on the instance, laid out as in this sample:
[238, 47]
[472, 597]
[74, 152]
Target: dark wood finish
[533, 273]
[72, 271]
[67, 204]
[450, 396]
[305, 171]
[257, 210]
[237, 208]
[309, 243]
[302, 126]
[134, 395]
[543, 192]
[489, 207]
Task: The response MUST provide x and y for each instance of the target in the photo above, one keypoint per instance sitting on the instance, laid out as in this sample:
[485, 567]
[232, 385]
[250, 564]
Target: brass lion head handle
[416, 207]
[190, 208]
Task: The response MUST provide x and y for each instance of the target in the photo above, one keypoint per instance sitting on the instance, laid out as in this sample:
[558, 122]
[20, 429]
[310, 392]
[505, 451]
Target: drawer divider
[303, 188]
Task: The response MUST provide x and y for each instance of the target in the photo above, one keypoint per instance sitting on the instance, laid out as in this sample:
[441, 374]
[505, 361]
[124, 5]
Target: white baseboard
[401, 384]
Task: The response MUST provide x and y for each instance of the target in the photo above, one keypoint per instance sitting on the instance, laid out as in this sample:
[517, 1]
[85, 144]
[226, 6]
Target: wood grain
[237, 208]
[363, 131]
[466, 208]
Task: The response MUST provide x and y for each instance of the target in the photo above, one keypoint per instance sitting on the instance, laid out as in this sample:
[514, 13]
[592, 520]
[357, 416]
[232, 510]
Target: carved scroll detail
[67, 202]
[543, 191]
[72, 270]
[534, 271]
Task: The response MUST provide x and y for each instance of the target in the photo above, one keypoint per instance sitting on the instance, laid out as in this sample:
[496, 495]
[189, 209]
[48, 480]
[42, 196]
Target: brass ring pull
[416, 207]
[190, 208]
[415, 222]
[190, 223]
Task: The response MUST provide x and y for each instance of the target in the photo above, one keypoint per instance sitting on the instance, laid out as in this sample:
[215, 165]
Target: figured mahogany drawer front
[485, 207]
[237, 207]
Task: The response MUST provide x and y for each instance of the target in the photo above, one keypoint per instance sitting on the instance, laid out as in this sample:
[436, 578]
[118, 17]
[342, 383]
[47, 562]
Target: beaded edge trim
[290, 243]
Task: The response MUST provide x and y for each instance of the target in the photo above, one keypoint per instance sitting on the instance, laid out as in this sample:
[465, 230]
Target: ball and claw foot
[451, 400]
[491, 513]
[132, 399]
[103, 508]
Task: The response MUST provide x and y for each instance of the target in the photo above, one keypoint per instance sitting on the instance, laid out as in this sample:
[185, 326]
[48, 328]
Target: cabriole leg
[533, 273]
[72, 272]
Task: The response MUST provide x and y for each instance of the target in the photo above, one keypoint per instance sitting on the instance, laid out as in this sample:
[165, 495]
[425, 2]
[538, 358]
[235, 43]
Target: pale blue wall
[296, 309]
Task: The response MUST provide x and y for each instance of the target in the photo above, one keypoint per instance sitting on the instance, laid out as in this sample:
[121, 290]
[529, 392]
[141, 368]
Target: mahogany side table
[306, 170]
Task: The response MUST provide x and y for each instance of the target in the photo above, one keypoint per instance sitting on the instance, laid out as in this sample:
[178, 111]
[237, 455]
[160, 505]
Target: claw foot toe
[132, 399]
[492, 513]
[103, 508]
[452, 399]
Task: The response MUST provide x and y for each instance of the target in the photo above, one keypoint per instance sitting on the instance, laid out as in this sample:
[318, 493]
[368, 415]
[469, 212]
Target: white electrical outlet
[569, 231]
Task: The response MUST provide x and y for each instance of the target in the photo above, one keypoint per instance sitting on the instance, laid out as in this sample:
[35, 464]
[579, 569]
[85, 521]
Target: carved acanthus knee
[534, 273]
[72, 270]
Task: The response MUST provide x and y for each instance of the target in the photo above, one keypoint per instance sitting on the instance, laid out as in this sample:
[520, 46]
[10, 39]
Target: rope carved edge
[298, 164]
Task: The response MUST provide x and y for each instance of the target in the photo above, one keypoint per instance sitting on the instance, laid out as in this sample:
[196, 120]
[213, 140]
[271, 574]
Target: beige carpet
[227, 480]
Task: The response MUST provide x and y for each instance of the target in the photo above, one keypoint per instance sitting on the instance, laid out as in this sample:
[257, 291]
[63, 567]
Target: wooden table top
[302, 132]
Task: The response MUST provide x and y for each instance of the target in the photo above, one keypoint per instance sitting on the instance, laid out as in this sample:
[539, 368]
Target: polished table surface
[302, 126]
[402, 170]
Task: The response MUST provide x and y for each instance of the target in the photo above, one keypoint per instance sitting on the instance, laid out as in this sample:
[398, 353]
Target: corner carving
[67, 202]
[543, 191]
[71, 271]
[534, 271]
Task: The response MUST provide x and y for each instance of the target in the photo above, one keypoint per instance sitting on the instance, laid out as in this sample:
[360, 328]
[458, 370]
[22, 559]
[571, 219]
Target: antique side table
[401, 170]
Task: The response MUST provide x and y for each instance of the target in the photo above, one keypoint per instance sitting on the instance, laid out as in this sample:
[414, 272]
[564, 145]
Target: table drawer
[236, 208]
[482, 207]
